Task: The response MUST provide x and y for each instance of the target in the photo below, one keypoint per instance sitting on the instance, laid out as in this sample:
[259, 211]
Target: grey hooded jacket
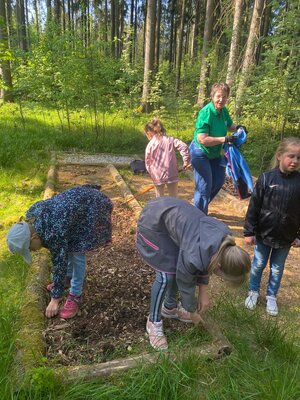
[177, 238]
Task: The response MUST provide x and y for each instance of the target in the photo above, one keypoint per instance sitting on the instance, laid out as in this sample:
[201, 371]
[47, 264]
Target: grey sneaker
[251, 300]
[177, 313]
[272, 308]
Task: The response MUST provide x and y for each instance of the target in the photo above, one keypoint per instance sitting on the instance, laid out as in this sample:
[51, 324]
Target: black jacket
[273, 214]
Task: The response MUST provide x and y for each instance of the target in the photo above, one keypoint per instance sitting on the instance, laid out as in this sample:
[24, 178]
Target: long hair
[233, 261]
[283, 147]
[155, 126]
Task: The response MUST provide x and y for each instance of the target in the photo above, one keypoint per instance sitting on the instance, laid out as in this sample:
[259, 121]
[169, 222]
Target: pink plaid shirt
[160, 158]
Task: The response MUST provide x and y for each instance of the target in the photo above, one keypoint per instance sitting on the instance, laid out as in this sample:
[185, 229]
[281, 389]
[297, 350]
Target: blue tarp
[237, 168]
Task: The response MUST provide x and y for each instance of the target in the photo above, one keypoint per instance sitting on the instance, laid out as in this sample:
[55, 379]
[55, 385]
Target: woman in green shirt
[212, 124]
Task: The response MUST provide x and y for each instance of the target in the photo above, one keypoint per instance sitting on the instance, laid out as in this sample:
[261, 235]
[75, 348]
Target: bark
[180, 45]
[207, 36]
[172, 40]
[6, 92]
[37, 16]
[195, 30]
[149, 52]
[235, 38]
[251, 47]
[157, 36]
[21, 25]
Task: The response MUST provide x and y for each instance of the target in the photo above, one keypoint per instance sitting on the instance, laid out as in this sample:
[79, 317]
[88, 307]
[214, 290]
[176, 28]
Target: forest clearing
[85, 77]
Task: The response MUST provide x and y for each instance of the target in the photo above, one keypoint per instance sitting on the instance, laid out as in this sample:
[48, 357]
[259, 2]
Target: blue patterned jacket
[74, 221]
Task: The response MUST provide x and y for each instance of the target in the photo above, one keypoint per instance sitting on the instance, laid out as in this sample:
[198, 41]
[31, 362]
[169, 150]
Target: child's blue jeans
[209, 177]
[262, 253]
[164, 289]
[76, 271]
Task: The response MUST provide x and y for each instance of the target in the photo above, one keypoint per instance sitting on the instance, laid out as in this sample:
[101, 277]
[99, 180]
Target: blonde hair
[155, 126]
[234, 262]
[220, 86]
[283, 147]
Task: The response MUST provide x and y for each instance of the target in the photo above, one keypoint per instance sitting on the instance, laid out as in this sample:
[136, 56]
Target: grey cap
[18, 240]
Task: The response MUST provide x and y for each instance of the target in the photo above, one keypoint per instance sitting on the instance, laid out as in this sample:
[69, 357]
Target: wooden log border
[30, 343]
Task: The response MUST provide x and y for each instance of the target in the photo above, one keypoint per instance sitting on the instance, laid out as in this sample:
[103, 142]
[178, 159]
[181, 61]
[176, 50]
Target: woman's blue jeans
[164, 289]
[76, 271]
[262, 253]
[209, 177]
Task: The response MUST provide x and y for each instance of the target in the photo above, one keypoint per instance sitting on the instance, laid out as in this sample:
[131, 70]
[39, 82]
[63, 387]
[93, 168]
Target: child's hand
[296, 243]
[249, 240]
[187, 166]
[52, 308]
[196, 318]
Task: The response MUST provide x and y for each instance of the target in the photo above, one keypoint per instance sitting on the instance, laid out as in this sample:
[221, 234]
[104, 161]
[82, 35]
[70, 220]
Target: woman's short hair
[219, 86]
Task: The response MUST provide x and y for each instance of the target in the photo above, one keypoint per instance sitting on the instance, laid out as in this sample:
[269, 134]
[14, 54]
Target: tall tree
[149, 53]
[21, 25]
[6, 92]
[251, 47]
[180, 45]
[234, 47]
[207, 37]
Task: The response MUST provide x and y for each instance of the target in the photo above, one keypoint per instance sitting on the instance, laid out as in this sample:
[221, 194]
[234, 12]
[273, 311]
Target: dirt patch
[116, 295]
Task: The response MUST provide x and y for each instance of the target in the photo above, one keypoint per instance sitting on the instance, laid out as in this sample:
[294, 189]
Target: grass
[265, 361]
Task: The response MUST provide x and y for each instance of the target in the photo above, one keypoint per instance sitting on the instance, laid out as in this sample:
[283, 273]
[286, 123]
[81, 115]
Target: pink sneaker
[71, 307]
[156, 335]
[177, 313]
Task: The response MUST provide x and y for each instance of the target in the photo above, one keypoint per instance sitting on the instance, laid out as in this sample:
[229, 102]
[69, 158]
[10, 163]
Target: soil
[115, 301]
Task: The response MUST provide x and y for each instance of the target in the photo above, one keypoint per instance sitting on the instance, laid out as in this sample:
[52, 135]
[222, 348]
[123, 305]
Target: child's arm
[184, 152]
[253, 212]
[203, 298]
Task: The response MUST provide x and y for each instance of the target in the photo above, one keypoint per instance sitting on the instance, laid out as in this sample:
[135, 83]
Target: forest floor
[115, 302]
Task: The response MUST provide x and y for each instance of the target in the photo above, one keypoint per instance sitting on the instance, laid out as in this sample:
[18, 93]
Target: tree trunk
[195, 31]
[37, 18]
[180, 44]
[5, 73]
[267, 16]
[249, 58]
[172, 41]
[112, 27]
[207, 36]
[236, 32]
[149, 52]
[157, 36]
[21, 25]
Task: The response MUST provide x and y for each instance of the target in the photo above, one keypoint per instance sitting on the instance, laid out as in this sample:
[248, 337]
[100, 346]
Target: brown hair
[233, 261]
[282, 148]
[219, 86]
[155, 126]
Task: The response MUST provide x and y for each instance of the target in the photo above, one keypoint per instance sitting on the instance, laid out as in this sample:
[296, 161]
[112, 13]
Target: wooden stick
[140, 193]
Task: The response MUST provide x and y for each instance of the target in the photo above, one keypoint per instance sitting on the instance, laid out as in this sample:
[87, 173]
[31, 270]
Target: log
[100, 370]
[222, 344]
[133, 203]
[51, 178]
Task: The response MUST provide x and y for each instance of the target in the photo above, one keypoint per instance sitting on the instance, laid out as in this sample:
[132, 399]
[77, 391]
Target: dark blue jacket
[273, 214]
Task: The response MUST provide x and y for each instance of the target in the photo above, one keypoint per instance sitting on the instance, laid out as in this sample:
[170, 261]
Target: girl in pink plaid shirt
[160, 157]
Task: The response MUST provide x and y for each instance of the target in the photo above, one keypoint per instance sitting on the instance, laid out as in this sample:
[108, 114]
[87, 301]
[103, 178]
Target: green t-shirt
[212, 123]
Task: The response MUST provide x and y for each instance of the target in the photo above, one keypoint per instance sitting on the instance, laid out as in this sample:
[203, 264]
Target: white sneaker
[251, 300]
[156, 335]
[272, 308]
